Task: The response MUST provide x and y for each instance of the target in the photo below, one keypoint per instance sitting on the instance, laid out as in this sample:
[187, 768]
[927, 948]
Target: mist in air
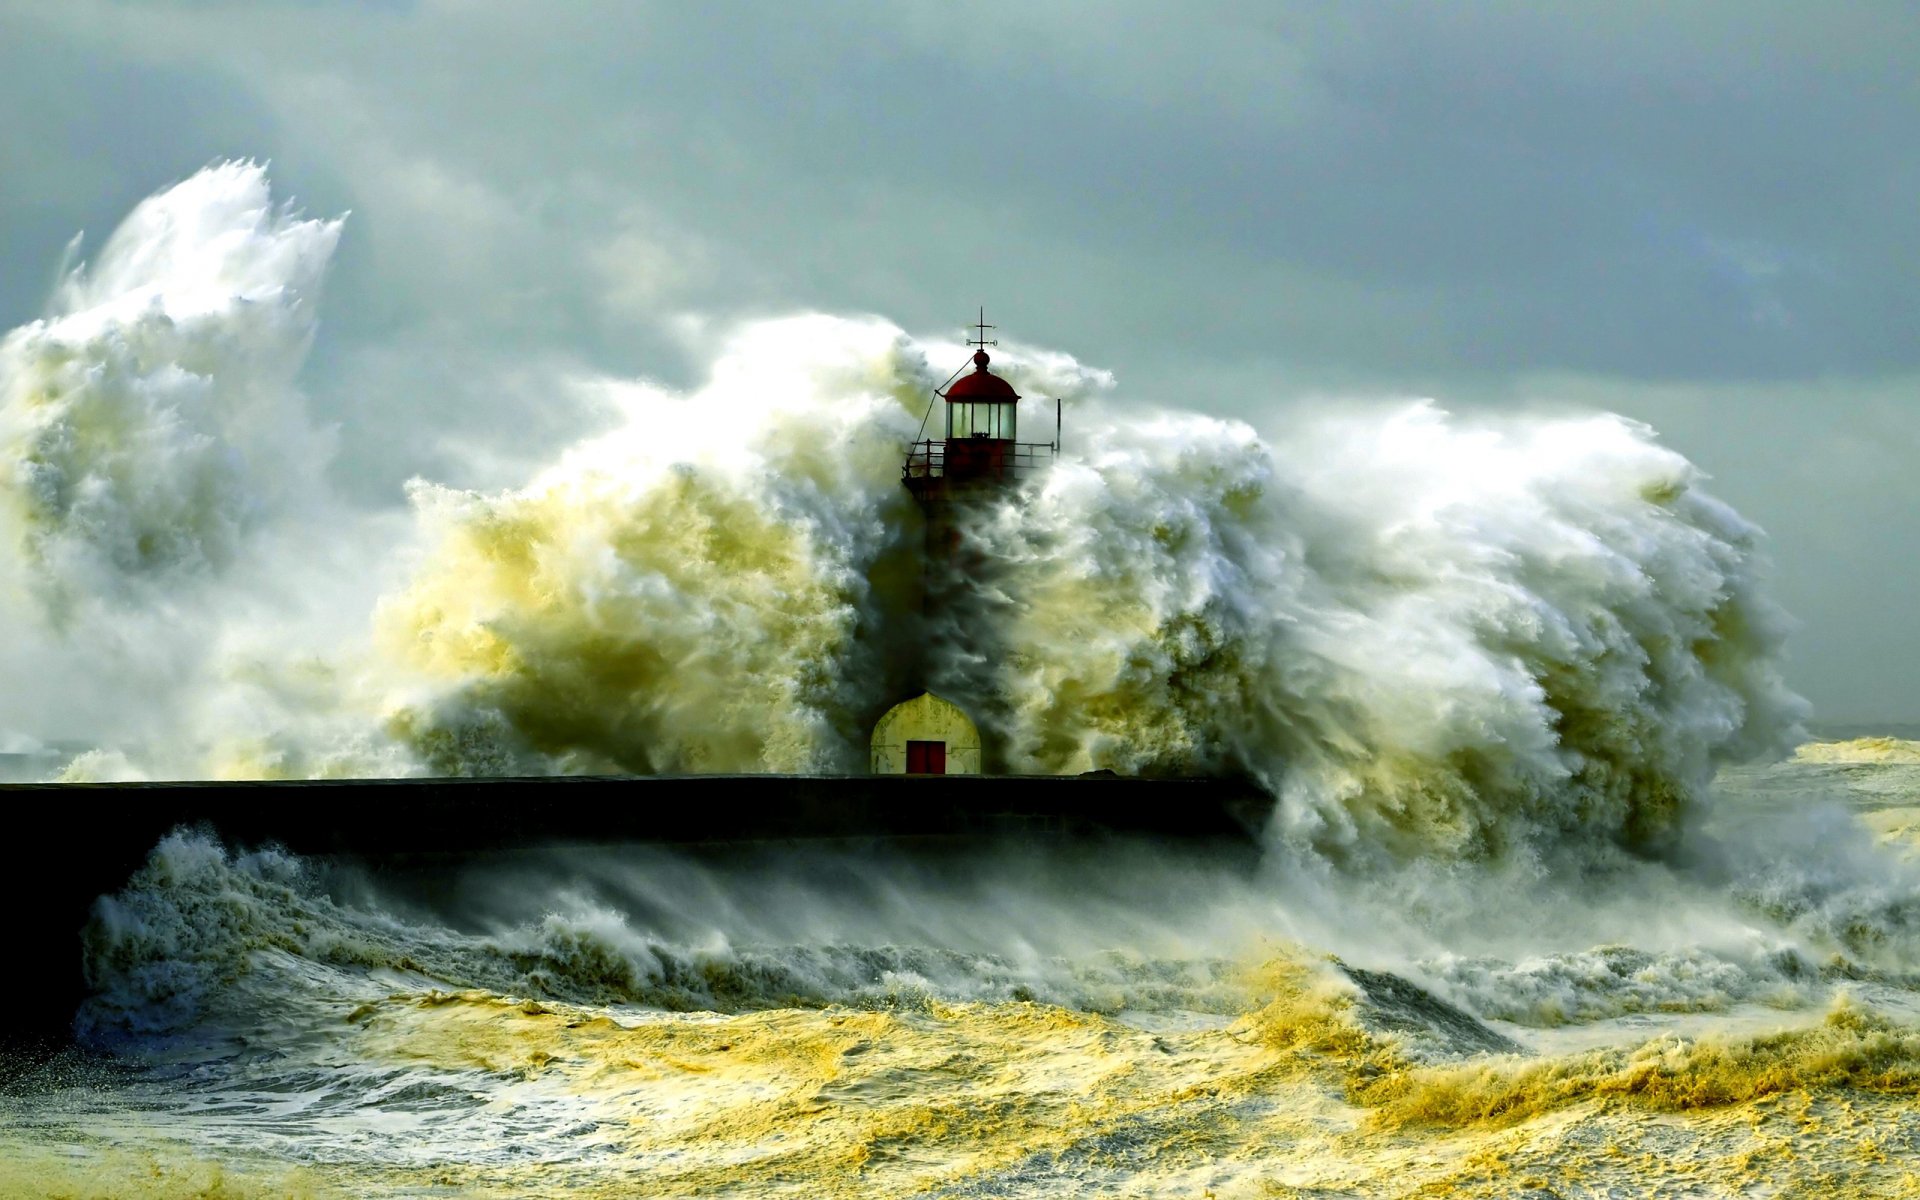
[1423, 634]
[1540, 886]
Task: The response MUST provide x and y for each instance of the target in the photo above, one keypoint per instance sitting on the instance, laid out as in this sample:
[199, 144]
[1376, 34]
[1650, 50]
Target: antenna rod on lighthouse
[982, 341]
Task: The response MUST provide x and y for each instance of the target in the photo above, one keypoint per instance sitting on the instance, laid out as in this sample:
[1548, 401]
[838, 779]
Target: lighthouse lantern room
[981, 404]
[982, 445]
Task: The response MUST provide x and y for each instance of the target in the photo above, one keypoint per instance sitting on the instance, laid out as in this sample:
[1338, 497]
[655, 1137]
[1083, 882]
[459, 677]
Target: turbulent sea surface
[1740, 1018]
[1527, 919]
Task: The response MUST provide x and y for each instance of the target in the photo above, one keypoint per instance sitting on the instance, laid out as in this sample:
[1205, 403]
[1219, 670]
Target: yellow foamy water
[1861, 750]
[1296, 1094]
[105, 1172]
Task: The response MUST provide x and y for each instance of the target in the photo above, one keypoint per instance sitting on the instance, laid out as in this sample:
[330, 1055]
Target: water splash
[150, 422]
[1429, 636]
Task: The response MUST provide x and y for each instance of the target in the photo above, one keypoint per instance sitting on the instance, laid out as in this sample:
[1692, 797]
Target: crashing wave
[1428, 636]
[150, 422]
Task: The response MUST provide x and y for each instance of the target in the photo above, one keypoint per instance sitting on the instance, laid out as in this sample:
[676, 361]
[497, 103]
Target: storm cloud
[1701, 218]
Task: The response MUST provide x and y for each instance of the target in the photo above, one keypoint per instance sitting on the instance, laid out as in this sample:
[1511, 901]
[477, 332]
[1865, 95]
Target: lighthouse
[979, 459]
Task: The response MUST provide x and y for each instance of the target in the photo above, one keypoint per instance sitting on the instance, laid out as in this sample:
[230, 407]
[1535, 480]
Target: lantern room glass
[989, 419]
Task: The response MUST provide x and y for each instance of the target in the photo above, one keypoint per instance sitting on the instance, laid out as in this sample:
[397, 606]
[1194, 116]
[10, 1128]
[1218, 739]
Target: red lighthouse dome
[982, 385]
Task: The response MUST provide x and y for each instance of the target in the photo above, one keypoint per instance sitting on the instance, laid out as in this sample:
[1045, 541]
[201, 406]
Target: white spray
[150, 423]
[1425, 635]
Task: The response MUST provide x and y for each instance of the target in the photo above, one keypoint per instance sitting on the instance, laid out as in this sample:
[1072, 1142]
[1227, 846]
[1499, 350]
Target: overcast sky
[1702, 216]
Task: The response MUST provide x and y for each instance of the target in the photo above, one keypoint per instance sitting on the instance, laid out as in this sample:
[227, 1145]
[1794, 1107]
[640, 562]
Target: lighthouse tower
[980, 458]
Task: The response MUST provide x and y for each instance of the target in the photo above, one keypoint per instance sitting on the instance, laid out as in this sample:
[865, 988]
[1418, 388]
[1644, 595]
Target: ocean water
[1549, 904]
[1739, 1018]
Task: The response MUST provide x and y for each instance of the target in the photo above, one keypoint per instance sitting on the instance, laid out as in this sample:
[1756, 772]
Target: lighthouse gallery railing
[971, 459]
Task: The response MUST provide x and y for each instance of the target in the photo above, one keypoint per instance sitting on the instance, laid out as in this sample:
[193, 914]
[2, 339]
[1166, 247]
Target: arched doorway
[926, 736]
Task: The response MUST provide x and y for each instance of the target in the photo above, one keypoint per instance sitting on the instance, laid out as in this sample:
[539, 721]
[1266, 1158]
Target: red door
[926, 758]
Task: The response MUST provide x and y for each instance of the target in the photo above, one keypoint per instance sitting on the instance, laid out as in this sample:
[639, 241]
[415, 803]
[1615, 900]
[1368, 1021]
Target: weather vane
[982, 326]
